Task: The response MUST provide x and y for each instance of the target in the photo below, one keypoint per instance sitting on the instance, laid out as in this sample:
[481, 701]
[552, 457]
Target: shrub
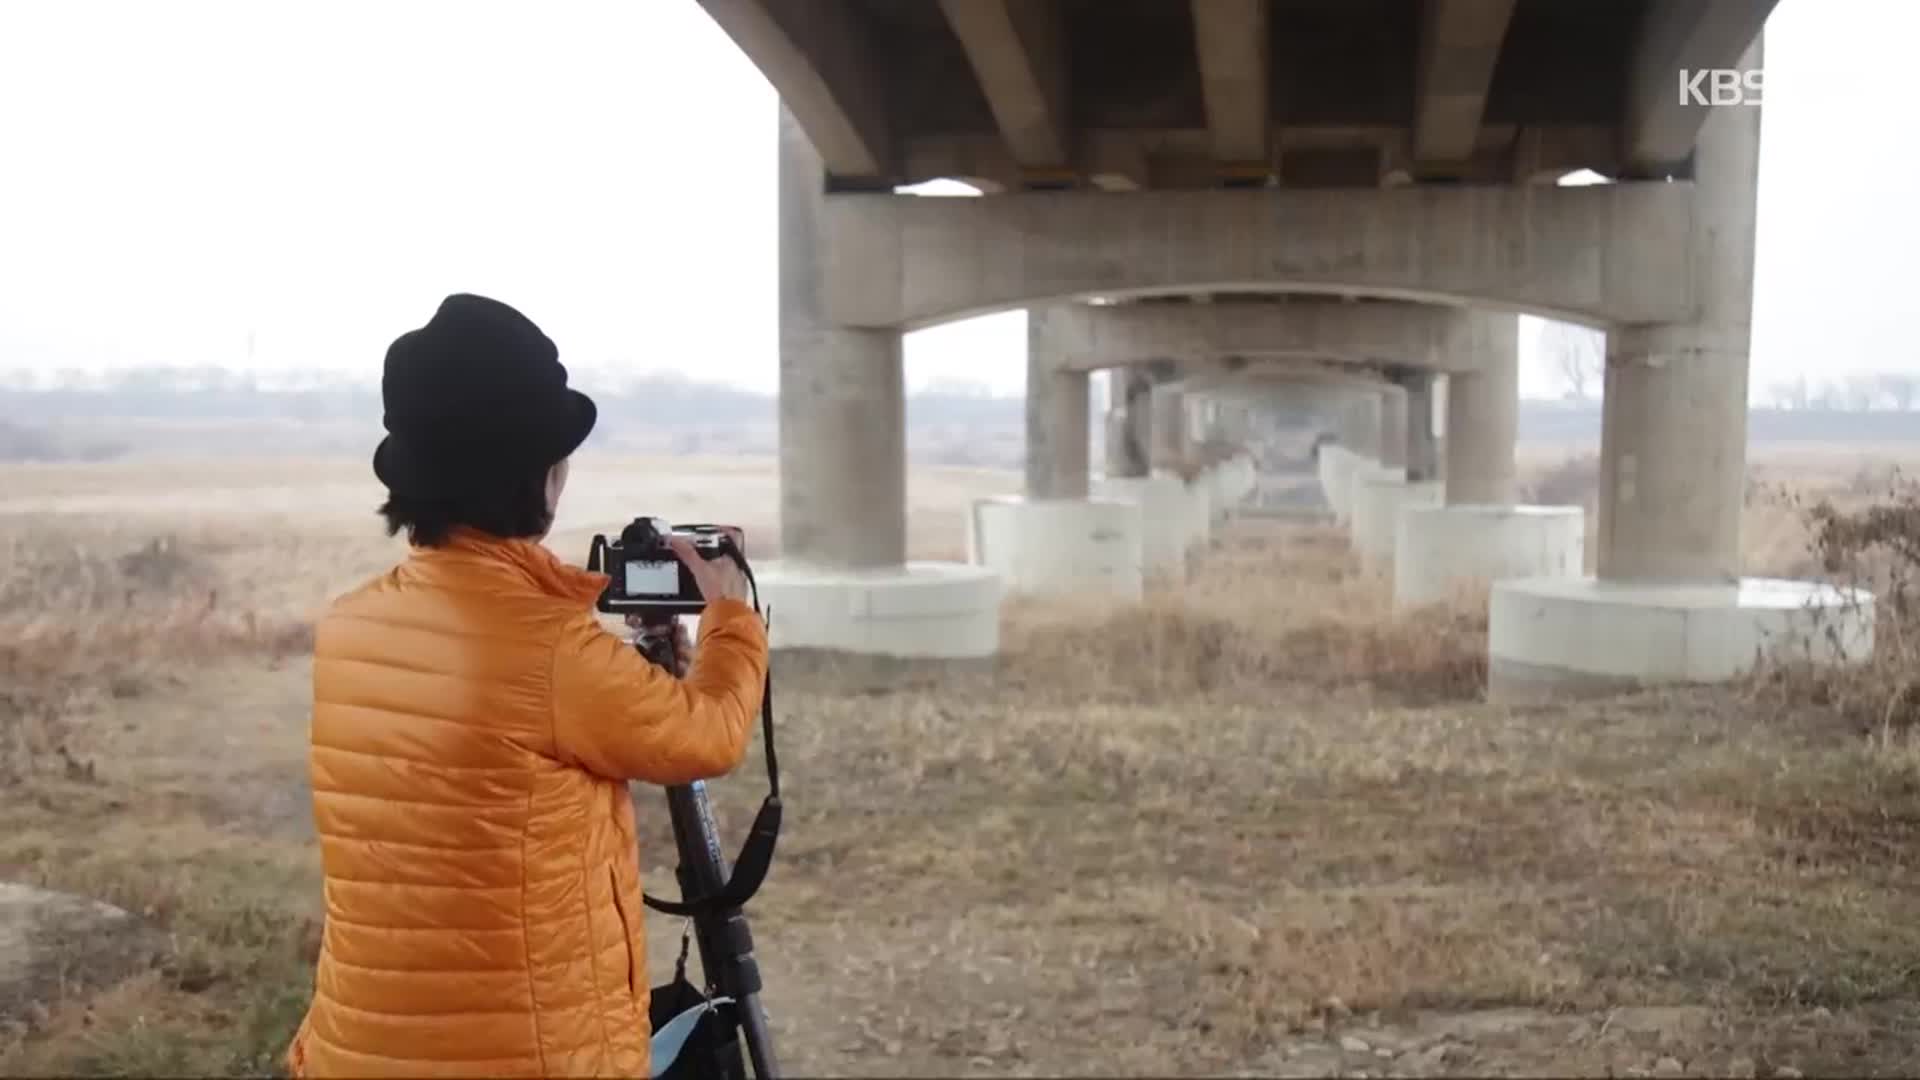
[1573, 482]
[79, 619]
[1871, 548]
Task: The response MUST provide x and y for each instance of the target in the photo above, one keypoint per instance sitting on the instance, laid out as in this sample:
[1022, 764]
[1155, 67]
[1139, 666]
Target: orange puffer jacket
[473, 731]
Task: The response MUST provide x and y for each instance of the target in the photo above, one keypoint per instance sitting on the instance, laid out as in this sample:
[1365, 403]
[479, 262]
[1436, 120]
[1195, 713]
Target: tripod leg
[723, 937]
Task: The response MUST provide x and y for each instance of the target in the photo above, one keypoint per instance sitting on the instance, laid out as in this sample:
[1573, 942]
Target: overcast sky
[181, 178]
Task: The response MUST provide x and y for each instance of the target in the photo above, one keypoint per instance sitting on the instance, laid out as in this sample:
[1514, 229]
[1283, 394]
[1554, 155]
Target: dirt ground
[1252, 826]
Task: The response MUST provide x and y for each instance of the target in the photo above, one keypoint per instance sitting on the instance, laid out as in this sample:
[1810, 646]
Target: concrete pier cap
[1441, 549]
[1083, 547]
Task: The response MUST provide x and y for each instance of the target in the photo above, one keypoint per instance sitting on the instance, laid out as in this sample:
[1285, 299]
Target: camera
[648, 579]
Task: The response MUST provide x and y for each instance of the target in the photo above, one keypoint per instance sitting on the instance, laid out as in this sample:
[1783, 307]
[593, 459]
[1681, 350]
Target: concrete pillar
[1055, 539]
[843, 447]
[1669, 604]
[1359, 425]
[1483, 417]
[1129, 423]
[1479, 536]
[1058, 404]
[1674, 419]
[1423, 445]
[1173, 421]
[1393, 427]
[1167, 448]
[1340, 470]
[842, 582]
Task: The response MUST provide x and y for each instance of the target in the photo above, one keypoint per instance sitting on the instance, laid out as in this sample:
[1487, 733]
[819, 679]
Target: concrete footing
[1164, 518]
[1441, 548]
[1339, 468]
[1198, 508]
[920, 610]
[1379, 496]
[1231, 483]
[1326, 468]
[1246, 479]
[1059, 546]
[1551, 636]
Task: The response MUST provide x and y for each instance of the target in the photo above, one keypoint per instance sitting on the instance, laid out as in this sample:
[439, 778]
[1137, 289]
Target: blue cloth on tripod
[671, 1038]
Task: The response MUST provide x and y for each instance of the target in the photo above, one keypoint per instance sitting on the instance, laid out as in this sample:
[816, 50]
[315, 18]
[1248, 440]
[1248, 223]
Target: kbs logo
[1720, 86]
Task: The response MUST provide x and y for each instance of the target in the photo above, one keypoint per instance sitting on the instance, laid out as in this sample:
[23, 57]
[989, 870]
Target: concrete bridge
[1225, 200]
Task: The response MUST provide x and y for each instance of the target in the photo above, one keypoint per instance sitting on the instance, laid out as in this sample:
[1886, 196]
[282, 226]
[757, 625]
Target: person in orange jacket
[474, 729]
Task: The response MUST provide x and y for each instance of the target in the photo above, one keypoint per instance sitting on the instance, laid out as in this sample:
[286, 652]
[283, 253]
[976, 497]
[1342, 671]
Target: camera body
[648, 579]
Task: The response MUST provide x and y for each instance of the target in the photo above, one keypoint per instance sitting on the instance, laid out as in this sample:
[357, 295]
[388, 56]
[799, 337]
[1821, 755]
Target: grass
[1207, 833]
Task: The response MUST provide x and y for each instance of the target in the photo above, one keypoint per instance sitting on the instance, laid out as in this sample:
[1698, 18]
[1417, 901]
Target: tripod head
[653, 636]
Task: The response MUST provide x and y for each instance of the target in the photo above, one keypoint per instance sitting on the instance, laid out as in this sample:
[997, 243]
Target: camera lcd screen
[647, 578]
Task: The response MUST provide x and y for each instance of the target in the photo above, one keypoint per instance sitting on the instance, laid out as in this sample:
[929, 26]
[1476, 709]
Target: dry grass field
[1252, 825]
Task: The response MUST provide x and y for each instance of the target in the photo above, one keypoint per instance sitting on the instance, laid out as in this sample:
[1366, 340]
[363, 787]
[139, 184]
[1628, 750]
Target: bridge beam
[1018, 54]
[1598, 254]
[1212, 375]
[1662, 123]
[1318, 329]
[1459, 47]
[815, 54]
[1236, 77]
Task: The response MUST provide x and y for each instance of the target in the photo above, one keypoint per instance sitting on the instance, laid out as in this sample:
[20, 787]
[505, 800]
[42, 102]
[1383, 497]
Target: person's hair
[513, 507]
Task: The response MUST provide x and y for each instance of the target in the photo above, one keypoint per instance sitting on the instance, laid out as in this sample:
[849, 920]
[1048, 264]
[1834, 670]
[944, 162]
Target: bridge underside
[1394, 146]
[1167, 94]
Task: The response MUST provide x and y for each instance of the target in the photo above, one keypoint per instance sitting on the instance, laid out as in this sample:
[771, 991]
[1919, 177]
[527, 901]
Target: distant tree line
[220, 393]
[1575, 357]
[76, 415]
[1891, 391]
[64, 416]
[1560, 422]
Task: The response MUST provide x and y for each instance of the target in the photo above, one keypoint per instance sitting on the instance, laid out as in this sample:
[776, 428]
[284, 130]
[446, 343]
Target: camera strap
[756, 854]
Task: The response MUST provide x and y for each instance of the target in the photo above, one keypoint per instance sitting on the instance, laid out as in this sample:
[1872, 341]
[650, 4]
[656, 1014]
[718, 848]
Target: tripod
[713, 896]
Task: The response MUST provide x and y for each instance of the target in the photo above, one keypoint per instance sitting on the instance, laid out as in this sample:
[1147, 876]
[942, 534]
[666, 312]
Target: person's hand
[716, 580]
[682, 649]
[682, 644]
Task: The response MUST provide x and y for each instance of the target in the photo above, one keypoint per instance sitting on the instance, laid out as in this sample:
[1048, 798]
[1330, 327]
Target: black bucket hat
[476, 394]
